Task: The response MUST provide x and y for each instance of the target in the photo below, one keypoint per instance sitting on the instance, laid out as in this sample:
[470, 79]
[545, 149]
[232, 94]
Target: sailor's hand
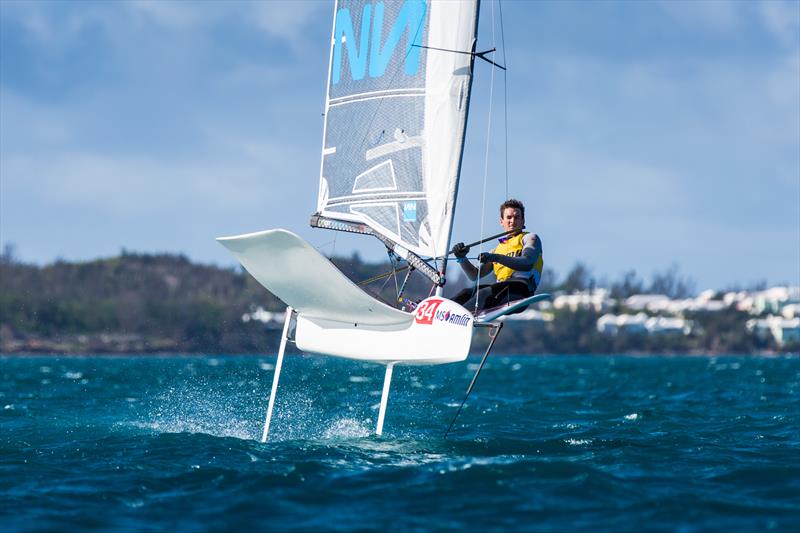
[486, 257]
[460, 251]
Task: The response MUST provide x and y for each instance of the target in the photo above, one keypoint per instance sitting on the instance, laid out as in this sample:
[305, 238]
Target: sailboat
[396, 107]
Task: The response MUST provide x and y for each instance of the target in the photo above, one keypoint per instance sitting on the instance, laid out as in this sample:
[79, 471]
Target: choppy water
[563, 443]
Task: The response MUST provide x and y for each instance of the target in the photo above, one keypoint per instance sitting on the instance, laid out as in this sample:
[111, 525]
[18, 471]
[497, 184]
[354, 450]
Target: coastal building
[660, 325]
[607, 324]
[782, 330]
[775, 298]
[268, 318]
[614, 324]
[597, 300]
[706, 301]
[640, 323]
[791, 311]
[649, 302]
[771, 301]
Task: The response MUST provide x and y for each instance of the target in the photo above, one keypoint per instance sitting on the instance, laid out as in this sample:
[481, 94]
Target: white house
[269, 318]
[609, 324]
[783, 330]
[791, 311]
[652, 302]
[660, 303]
[596, 299]
[668, 325]
[772, 300]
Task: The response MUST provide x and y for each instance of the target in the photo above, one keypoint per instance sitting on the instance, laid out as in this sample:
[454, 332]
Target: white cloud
[55, 25]
[284, 20]
[287, 19]
[618, 192]
[719, 15]
[782, 19]
[125, 185]
[46, 158]
[22, 121]
[642, 164]
[174, 15]
[701, 107]
[616, 153]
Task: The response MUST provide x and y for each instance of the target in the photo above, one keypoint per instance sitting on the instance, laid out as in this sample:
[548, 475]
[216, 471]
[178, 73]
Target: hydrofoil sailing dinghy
[396, 107]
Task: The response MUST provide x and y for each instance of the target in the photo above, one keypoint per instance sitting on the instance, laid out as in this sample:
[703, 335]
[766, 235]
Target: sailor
[516, 261]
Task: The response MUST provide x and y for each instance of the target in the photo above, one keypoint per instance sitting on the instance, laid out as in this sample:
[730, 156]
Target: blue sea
[545, 443]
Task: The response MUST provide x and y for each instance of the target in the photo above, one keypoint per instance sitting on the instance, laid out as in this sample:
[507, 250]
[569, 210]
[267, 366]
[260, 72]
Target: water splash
[200, 407]
[348, 428]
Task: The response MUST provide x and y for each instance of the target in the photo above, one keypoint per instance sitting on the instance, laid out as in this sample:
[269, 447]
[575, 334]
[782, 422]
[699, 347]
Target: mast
[440, 288]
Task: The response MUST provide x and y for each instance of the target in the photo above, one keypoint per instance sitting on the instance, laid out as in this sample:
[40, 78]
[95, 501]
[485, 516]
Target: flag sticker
[409, 211]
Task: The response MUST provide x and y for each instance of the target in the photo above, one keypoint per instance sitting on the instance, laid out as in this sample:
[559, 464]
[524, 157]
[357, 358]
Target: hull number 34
[431, 310]
[426, 311]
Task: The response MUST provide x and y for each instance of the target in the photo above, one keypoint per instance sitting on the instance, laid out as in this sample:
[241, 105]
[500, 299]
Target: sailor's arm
[531, 251]
[461, 251]
[470, 270]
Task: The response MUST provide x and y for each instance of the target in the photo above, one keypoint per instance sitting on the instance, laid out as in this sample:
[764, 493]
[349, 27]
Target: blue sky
[640, 134]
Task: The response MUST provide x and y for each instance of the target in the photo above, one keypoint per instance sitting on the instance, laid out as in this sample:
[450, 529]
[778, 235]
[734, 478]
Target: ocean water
[545, 443]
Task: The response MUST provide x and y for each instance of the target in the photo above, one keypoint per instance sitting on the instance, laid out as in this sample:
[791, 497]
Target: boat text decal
[426, 311]
[453, 318]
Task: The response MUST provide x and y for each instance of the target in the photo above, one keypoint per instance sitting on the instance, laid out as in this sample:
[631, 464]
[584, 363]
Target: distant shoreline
[9, 355]
[139, 304]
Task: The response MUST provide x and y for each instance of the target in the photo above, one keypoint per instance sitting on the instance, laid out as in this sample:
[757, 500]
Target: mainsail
[395, 114]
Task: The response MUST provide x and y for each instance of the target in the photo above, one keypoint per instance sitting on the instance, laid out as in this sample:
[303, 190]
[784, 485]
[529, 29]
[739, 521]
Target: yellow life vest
[513, 247]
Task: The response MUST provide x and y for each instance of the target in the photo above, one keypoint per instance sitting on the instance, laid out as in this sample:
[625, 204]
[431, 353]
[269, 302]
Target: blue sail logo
[410, 20]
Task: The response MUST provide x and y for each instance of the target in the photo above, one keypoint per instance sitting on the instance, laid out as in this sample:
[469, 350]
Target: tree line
[165, 303]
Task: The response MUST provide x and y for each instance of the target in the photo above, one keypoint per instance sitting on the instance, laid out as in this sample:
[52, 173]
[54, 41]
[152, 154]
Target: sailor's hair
[513, 203]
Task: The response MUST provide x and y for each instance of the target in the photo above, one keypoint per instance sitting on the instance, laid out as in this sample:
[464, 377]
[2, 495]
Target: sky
[639, 134]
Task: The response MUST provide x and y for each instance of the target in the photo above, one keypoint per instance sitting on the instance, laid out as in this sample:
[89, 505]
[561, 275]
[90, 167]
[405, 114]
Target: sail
[395, 115]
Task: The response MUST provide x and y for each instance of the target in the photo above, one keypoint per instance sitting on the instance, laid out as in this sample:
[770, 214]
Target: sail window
[379, 178]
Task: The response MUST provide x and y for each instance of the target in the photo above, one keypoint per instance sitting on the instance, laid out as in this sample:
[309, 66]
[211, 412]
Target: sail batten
[395, 117]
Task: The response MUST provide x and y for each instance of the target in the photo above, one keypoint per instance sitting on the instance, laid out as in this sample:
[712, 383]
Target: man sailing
[517, 263]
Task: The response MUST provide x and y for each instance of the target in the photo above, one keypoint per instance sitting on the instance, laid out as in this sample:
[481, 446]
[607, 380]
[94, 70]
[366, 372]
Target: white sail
[396, 110]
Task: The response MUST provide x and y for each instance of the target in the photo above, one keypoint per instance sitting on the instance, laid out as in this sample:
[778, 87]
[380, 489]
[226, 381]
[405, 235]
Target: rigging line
[493, 335]
[321, 247]
[505, 88]
[485, 171]
[384, 275]
[402, 289]
[393, 263]
[377, 294]
[480, 55]
[394, 271]
[384, 284]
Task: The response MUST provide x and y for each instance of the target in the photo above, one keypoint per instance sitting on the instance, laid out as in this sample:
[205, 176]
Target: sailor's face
[512, 219]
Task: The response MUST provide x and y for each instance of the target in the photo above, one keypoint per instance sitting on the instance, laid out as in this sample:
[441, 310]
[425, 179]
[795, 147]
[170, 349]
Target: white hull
[335, 317]
[442, 337]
